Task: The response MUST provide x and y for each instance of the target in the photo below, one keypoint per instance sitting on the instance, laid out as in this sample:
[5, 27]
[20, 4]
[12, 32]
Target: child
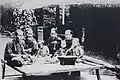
[62, 50]
[43, 50]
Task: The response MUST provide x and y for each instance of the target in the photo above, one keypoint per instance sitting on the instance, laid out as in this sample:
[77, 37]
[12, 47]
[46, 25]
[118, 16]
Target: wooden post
[57, 16]
[3, 70]
[72, 75]
[23, 76]
[97, 74]
[40, 34]
[63, 14]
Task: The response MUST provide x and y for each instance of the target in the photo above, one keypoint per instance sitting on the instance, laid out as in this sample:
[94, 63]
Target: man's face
[68, 35]
[53, 34]
[20, 35]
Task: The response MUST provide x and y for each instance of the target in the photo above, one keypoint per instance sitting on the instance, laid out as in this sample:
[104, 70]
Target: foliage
[7, 18]
[49, 15]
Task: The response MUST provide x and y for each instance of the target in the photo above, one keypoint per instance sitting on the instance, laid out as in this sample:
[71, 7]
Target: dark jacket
[13, 47]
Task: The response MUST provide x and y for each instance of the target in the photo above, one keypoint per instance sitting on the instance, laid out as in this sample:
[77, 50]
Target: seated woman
[77, 49]
[31, 45]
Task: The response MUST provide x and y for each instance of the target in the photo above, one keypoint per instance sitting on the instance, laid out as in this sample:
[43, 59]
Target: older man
[14, 51]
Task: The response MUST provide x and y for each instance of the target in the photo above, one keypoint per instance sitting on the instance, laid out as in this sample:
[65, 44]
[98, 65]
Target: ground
[86, 75]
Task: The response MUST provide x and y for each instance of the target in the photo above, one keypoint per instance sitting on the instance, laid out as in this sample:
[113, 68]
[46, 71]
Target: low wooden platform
[58, 70]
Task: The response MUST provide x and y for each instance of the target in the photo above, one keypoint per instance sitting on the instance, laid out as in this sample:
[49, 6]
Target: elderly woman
[31, 45]
[77, 49]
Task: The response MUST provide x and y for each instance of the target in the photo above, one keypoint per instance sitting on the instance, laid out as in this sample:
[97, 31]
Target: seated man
[72, 45]
[14, 50]
[54, 42]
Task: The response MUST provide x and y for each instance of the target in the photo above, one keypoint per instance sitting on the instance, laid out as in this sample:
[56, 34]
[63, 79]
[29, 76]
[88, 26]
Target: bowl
[67, 60]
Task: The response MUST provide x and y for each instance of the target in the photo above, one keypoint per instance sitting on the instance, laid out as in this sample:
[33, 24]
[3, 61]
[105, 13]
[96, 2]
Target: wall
[102, 28]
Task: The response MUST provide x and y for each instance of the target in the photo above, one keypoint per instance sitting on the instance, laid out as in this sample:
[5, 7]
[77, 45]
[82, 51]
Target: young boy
[43, 50]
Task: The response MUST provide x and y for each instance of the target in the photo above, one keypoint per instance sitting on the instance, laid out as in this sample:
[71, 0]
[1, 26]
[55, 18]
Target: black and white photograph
[59, 40]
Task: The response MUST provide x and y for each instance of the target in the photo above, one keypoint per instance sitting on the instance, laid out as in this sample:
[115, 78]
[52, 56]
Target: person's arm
[32, 50]
[73, 45]
[25, 51]
[35, 48]
[59, 39]
[69, 50]
[35, 45]
[48, 51]
[81, 51]
[49, 42]
[23, 48]
[56, 53]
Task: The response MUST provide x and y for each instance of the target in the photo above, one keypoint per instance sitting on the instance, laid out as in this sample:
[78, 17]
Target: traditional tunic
[54, 43]
[12, 47]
